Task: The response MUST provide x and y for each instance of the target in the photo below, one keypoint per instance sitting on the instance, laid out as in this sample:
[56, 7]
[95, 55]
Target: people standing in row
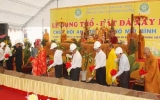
[76, 63]
[100, 63]
[124, 68]
[58, 61]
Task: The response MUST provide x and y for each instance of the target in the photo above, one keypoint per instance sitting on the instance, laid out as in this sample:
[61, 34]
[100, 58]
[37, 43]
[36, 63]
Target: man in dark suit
[18, 56]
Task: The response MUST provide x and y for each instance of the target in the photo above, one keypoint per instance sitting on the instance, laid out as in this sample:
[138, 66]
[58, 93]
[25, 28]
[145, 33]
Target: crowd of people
[102, 66]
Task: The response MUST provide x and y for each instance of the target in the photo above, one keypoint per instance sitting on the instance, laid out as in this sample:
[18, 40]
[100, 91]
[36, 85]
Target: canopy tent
[33, 16]
[19, 12]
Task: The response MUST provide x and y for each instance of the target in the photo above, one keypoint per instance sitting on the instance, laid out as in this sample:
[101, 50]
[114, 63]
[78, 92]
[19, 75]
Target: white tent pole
[42, 26]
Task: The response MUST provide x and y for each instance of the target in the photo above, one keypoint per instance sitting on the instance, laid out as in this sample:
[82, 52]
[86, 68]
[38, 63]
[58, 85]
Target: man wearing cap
[76, 62]
[124, 68]
[2, 49]
[18, 56]
[100, 63]
[7, 50]
[58, 62]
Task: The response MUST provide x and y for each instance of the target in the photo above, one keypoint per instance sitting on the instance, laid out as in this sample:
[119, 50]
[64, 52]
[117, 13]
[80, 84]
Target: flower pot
[83, 75]
[132, 82]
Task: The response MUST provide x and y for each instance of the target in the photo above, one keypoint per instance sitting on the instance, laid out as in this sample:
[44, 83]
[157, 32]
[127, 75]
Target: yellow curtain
[59, 91]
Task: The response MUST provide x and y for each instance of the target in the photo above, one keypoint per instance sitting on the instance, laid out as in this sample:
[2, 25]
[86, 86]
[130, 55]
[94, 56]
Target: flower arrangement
[7, 40]
[6, 57]
[49, 63]
[32, 97]
[113, 72]
[27, 53]
[142, 71]
[91, 69]
[68, 65]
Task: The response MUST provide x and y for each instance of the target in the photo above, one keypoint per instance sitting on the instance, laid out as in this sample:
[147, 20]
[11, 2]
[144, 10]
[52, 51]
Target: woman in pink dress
[39, 62]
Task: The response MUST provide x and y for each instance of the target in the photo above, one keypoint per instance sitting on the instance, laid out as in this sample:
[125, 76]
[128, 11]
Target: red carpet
[7, 93]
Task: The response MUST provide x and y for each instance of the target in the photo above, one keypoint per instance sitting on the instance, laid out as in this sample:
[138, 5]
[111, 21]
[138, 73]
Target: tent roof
[18, 12]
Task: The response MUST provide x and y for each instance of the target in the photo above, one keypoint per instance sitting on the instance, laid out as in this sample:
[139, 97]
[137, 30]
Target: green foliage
[27, 43]
[44, 42]
[133, 47]
[133, 64]
[88, 59]
[6, 40]
[27, 53]
[53, 41]
[60, 47]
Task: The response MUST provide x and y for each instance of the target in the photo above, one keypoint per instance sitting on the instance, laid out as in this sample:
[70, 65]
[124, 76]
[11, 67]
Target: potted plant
[133, 67]
[27, 68]
[132, 60]
[87, 59]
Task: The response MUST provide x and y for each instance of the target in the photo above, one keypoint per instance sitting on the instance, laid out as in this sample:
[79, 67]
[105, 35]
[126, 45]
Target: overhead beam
[14, 25]
[13, 13]
[26, 4]
[50, 2]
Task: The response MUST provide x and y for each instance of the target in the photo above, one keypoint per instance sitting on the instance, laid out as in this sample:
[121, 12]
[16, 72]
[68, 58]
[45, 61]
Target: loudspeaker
[3, 28]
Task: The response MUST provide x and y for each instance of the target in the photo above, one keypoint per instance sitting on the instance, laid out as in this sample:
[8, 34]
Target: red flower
[51, 62]
[142, 72]
[113, 72]
[6, 55]
[91, 68]
[31, 59]
[68, 65]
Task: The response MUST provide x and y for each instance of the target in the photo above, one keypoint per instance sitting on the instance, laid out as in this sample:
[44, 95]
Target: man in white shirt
[7, 50]
[100, 63]
[124, 68]
[2, 48]
[58, 62]
[76, 63]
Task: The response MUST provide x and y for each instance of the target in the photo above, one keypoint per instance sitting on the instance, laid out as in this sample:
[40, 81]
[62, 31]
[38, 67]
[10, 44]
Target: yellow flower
[32, 97]
[6, 41]
[25, 40]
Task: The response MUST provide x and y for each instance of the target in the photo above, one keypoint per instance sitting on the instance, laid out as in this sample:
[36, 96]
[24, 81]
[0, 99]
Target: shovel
[90, 78]
[67, 59]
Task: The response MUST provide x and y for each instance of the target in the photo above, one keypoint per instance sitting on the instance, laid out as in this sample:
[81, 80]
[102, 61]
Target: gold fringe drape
[59, 91]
